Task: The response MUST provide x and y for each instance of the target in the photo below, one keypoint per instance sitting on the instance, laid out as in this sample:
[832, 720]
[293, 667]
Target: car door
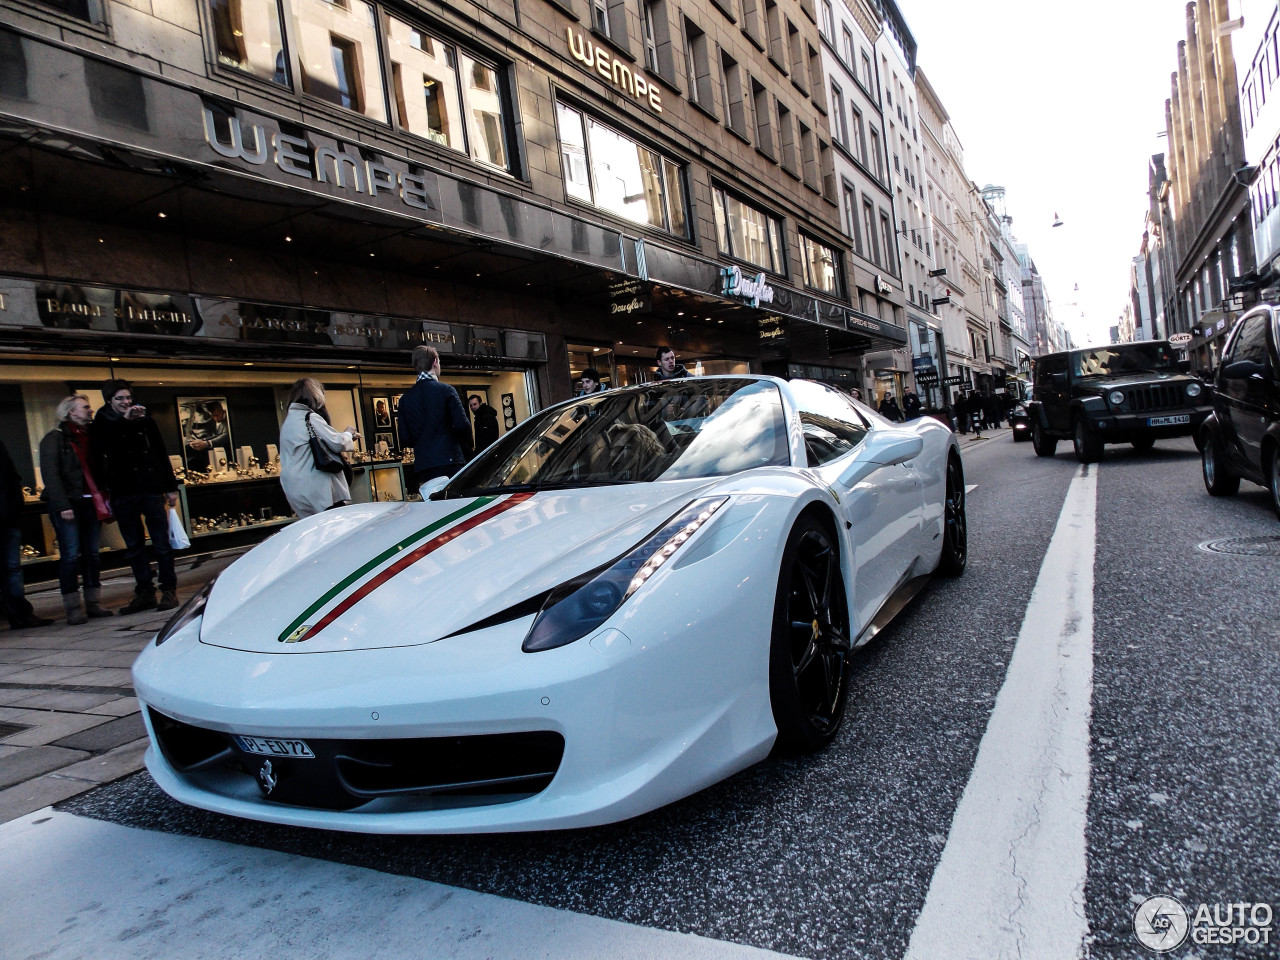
[1245, 385]
[1052, 390]
[882, 503]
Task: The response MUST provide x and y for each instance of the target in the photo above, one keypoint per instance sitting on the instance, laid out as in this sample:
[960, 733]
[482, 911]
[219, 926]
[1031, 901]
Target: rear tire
[1218, 478]
[810, 648]
[1273, 479]
[1088, 445]
[1044, 446]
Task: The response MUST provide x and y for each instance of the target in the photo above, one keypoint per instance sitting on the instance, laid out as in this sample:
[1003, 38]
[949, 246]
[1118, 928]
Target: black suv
[1242, 437]
[1124, 393]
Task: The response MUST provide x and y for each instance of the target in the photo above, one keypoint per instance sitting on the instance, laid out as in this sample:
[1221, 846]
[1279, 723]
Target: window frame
[777, 238]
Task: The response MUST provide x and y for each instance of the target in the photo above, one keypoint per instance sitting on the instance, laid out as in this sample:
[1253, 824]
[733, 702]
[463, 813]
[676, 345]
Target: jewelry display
[28, 552]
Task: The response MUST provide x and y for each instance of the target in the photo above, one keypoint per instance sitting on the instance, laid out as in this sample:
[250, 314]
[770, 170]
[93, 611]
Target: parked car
[1122, 393]
[627, 598]
[1020, 423]
[1241, 438]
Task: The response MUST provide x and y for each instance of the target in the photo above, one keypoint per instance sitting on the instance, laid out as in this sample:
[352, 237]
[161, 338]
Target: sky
[1062, 104]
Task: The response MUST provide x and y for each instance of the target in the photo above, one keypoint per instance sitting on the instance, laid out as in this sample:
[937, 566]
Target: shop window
[338, 54]
[248, 36]
[821, 266]
[605, 168]
[747, 233]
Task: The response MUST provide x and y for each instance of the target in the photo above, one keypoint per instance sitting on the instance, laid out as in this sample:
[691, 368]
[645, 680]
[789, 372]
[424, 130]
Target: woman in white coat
[307, 489]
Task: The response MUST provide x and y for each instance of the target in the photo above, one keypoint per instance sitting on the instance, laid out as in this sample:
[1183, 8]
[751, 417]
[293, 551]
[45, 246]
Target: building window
[886, 231]
[445, 95]
[773, 23]
[839, 122]
[867, 82]
[828, 22]
[648, 14]
[816, 79]
[764, 118]
[858, 144]
[749, 234]
[248, 36]
[851, 216]
[735, 114]
[338, 55]
[869, 230]
[605, 168]
[808, 157]
[821, 266]
[787, 140]
[697, 65]
[877, 155]
[600, 16]
[827, 170]
[848, 48]
[795, 50]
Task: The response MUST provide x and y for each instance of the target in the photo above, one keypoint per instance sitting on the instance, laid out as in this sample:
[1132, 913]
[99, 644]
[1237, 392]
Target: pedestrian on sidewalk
[308, 489]
[69, 486]
[432, 420]
[128, 454]
[17, 608]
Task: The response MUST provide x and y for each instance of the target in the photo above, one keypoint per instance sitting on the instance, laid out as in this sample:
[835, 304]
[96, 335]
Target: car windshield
[1126, 358]
[674, 430]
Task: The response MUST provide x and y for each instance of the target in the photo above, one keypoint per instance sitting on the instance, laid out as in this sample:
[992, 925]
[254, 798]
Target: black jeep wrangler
[1123, 393]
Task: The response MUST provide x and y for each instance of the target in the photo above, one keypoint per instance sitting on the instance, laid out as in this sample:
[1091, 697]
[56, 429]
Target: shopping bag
[178, 538]
[103, 506]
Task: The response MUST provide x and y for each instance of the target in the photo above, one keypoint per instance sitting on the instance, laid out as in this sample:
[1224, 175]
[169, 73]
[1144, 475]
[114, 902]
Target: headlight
[1193, 389]
[574, 609]
[186, 613]
[1116, 398]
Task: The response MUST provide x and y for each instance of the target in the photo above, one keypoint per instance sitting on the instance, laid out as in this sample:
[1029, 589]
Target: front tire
[1088, 446]
[1044, 446]
[1218, 478]
[1143, 443]
[955, 530]
[810, 647]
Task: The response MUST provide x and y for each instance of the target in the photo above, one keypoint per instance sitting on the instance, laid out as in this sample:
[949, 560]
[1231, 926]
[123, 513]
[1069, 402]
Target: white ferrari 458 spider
[627, 598]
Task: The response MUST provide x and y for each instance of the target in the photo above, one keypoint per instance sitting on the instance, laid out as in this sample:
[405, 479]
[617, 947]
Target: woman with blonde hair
[69, 487]
[307, 489]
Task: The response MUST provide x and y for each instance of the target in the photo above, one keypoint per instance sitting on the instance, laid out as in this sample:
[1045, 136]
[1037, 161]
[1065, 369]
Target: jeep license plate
[1168, 421]
[275, 747]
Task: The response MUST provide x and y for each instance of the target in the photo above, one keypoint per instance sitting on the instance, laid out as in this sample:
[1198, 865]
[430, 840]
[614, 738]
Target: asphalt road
[832, 855]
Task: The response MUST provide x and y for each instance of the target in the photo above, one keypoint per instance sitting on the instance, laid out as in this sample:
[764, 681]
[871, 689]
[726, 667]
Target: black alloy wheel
[1088, 445]
[955, 532]
[810, 648]
[1044, 446]
[1218, 478]
[1273, 479]
[1143, 443]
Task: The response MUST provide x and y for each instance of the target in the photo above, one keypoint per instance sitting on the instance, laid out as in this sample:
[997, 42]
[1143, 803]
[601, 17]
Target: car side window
[1251, 344]
[832, 425]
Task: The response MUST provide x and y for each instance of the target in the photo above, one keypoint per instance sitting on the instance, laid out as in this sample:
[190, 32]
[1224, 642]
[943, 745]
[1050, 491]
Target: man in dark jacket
[17, 608]
[130, 460]
[486, 419]
[668, 369]
[910, 404]
[432, 421]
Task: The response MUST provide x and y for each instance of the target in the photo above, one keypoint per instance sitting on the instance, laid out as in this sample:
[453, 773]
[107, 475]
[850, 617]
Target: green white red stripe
[467, 518]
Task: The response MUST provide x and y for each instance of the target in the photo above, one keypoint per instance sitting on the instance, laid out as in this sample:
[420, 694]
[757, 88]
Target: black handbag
[326, 460]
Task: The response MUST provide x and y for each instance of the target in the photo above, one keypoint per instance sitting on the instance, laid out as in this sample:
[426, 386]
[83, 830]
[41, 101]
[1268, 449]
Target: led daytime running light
[660, 557]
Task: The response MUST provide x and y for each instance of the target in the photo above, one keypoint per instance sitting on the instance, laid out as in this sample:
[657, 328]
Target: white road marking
[1011, 879]
[81, 889]
[969, 488]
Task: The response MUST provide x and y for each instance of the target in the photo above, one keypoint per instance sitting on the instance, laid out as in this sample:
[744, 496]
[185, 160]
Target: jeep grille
[1157, 396]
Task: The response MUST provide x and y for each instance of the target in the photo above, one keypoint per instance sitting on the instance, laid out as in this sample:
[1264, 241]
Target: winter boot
[92, 606]
[75, 614]
[144, 598]
[168, 599]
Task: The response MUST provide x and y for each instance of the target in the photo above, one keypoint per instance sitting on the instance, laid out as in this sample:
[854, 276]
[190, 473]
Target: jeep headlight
[1116, 398]
[1193, 389]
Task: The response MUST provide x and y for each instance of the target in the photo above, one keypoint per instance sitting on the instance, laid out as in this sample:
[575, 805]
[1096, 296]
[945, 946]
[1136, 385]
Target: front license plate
[275, 747]
[1168, 421]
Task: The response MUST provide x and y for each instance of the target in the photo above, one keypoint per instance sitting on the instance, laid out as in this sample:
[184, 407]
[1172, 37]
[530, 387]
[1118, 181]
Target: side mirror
[884, 449]
[434, 485]
[1243, 370]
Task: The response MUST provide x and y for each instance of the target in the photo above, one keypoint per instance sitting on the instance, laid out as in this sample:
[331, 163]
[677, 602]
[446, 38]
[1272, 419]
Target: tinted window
[831, 425]
[1251, 344]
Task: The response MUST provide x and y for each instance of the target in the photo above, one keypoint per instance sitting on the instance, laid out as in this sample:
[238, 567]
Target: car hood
[390, 575]
[1119, 381]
